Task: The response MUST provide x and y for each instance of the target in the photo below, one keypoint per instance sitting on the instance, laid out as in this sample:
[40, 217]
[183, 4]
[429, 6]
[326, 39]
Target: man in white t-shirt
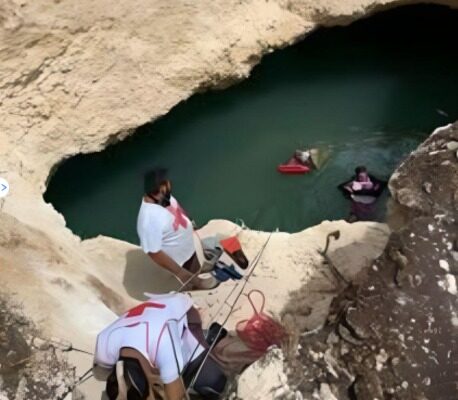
[155, 335]
[166, 233]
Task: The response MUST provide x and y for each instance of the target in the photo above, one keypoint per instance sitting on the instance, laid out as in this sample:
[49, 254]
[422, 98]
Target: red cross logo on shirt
[138, 310]
[180, 217]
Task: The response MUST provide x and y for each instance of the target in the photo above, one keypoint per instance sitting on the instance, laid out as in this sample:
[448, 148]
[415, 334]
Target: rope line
[83, 378]
[87, 375]
[176, 361]
[255, 263]
[226, 300]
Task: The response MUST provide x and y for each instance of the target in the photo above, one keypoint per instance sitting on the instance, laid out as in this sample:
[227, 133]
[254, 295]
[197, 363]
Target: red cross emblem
[138, 310]
[180, 217]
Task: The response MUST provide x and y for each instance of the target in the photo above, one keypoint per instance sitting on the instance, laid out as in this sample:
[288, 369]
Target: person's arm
[165, 261]
[193, 316]
[175, 390]
[169, 361]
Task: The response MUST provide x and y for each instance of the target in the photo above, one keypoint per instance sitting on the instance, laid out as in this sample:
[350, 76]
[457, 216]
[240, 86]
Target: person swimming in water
[362, 181]
[305, 157]
[363, 191]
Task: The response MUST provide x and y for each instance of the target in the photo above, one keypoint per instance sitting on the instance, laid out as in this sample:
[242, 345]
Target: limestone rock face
[23, 355]
[427, 181]
[77, 75]
[265, 379]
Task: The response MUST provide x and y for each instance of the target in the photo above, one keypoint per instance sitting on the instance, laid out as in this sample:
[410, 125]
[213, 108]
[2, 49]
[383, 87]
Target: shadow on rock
[309, 306]
[142, 275]
[393, 335]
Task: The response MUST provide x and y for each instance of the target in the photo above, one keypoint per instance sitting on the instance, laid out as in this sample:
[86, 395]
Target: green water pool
[369, 93]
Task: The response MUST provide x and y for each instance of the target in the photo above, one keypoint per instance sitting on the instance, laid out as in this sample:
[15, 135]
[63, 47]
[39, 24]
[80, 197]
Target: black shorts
[211, 381]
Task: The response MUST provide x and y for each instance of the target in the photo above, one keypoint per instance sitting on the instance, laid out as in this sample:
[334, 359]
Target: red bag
[233, 248]
[260, 331]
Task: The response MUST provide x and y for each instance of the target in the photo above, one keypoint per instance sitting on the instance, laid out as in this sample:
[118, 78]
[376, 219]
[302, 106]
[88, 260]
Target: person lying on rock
[157, 350]
[166, 233]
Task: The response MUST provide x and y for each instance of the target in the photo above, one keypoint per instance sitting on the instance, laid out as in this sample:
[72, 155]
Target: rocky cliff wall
[77, 75]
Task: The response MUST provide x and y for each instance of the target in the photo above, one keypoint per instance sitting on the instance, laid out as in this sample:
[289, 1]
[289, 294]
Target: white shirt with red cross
[158, 329]
[167, 229]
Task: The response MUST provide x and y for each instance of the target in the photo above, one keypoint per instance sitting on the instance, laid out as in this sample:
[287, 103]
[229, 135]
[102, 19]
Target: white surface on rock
[264, 379]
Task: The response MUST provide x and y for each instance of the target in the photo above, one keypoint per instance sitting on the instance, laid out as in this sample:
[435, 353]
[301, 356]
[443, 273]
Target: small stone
[346, 335]
[451, 284]
[326, 393]
[427, 186]
[444, 265]
[381, 359]
[40, 344]
[453, 145]
[454, 320]
[332, 338]
[281, 392]
[345, 350]
[455, 255]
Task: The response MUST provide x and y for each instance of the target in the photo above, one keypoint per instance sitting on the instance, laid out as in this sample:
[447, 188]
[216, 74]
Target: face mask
[165, 199]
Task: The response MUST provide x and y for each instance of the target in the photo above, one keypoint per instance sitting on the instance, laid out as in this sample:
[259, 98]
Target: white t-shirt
[155, 328]
[167, 229]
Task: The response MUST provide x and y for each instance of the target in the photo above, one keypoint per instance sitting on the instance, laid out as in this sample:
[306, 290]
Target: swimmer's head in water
[361, 173]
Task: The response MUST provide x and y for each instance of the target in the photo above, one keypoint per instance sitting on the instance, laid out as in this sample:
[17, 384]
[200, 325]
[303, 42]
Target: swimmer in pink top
[363, 191]
[362, 181]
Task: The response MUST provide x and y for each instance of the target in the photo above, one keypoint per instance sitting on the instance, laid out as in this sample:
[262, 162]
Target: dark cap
[154, 179]
[134, 379]
[360, 169]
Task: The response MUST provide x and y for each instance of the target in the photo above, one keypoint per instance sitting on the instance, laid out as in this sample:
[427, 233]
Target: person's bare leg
[184, 275]
[193, 264]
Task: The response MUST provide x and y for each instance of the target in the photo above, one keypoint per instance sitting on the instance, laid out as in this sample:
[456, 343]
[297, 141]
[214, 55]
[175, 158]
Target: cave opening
[368, 93]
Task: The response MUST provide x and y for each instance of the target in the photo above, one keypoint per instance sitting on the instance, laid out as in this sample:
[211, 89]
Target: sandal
[204, 283]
